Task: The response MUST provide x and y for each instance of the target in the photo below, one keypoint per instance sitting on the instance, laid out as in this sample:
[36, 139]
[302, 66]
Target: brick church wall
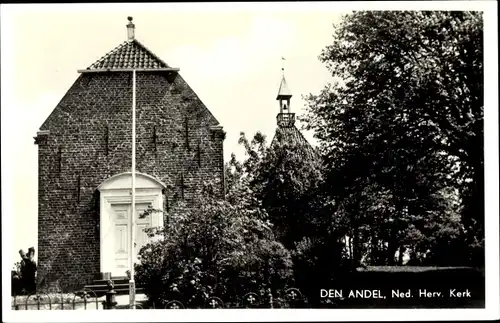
[89, 140]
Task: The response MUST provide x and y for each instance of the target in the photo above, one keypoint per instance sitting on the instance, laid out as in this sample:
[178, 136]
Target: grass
[411, 269]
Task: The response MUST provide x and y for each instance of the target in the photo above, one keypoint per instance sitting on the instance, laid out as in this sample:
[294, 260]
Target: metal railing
[58, 301]
[87, 299]
[293, 298]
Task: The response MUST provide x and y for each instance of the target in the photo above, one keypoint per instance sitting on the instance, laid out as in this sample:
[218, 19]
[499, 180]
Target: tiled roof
[293, 136]
[129, 54]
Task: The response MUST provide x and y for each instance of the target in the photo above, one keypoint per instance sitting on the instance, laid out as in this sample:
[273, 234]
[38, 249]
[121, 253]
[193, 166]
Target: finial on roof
[284, 91]
[130, 29]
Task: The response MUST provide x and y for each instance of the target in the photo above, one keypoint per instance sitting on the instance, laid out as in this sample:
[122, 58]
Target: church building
[85, 158]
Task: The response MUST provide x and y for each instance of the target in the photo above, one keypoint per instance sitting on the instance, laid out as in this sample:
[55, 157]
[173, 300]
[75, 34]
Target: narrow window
[154, 137]
[186, 133]
[106, 139]
[78, 189]
[59, 159]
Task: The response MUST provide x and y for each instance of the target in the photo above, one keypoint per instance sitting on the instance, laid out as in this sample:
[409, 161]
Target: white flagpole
[132, 220]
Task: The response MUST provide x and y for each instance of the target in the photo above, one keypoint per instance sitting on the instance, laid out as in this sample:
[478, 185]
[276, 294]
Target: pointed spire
[284, 91]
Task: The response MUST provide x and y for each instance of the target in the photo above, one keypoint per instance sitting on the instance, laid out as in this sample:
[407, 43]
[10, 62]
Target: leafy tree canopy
[402, 127]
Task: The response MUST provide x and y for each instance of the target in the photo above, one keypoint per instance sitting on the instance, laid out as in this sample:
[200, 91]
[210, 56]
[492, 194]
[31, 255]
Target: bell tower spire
[285, 118]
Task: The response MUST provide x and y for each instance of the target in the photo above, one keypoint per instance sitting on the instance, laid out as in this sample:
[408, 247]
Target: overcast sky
[229, 54]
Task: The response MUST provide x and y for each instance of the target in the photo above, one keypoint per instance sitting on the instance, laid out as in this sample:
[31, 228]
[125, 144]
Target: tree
[402, 123]
[240, 176]
[289, 187]
[286, 182]
[286, 179]
[213, 249]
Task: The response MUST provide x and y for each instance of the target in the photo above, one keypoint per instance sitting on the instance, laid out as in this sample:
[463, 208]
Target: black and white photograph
[282, 161]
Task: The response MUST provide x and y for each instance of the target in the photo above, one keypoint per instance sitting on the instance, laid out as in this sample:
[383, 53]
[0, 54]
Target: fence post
[270, 295]
[110, 302]
[16, 306]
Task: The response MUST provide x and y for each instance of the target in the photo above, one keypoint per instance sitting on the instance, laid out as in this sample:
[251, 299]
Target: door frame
[117, 190]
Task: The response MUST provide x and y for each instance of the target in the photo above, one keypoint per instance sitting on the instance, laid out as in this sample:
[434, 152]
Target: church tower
[286, 131]
[285, 118]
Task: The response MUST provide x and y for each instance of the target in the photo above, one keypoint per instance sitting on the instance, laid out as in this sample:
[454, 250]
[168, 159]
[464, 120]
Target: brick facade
[87, 139]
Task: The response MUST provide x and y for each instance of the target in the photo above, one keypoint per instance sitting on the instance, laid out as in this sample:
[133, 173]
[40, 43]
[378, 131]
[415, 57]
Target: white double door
[122, 234]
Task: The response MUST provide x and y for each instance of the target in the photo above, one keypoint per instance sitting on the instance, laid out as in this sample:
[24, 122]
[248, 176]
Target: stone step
[105, 282]
[117, 278]
[105, 286]
[118, 291]
[99, 291]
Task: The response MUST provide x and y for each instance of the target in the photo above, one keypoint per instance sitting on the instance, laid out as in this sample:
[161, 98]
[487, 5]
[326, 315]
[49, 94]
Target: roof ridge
[150, 52]
[107, 55]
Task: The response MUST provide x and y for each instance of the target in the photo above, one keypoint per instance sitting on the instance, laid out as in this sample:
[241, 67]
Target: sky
[231, 57]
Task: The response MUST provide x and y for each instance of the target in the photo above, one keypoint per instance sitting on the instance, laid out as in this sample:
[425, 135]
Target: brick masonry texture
[89, 141]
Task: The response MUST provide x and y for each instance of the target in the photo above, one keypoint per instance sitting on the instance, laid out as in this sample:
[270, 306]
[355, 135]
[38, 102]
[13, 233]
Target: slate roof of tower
[129, 54]
[283, 91]
[293, 136]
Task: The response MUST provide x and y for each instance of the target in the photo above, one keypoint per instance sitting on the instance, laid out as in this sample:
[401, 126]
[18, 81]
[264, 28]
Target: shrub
[23, 274]
[16, 283]
[214, 249]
